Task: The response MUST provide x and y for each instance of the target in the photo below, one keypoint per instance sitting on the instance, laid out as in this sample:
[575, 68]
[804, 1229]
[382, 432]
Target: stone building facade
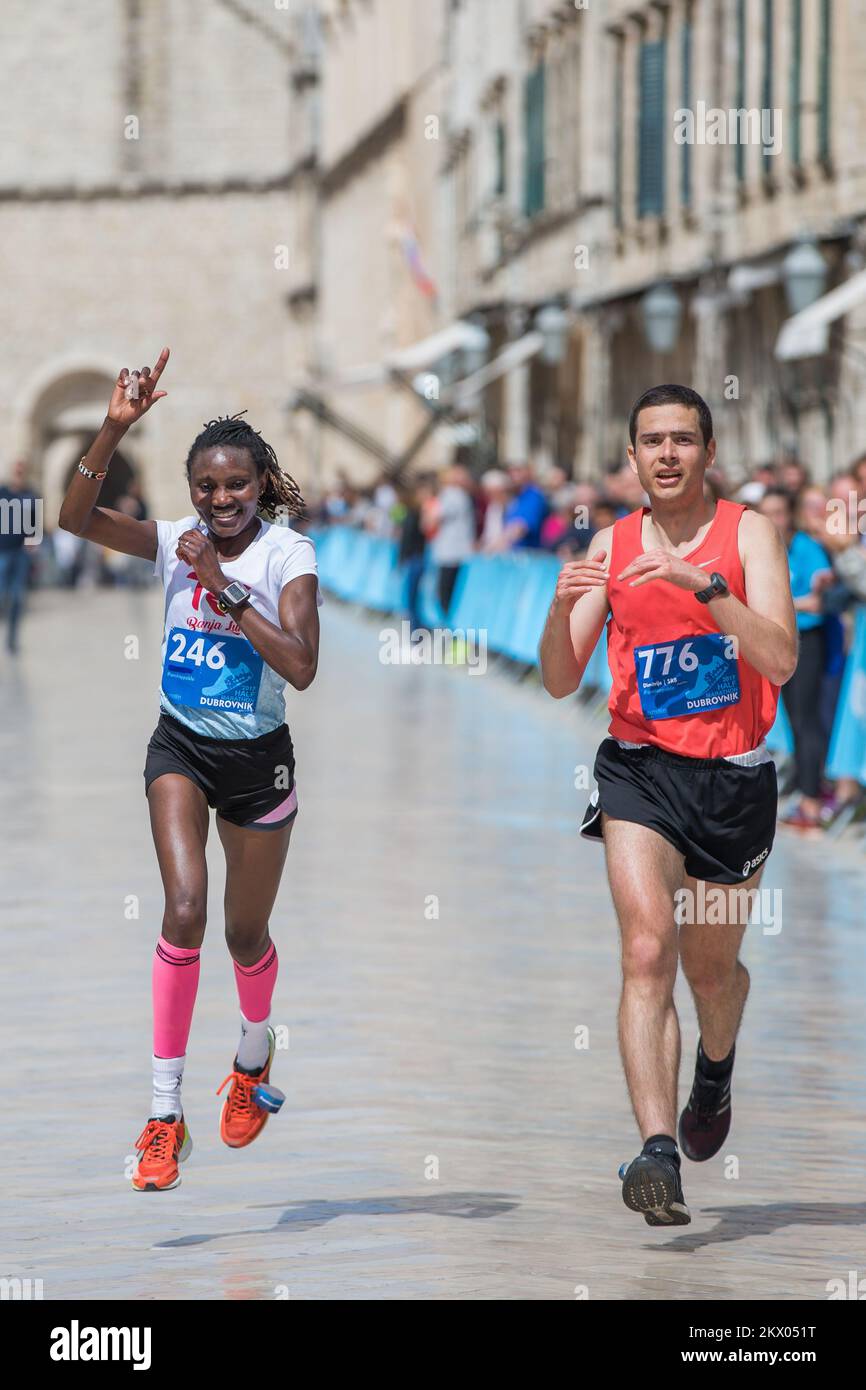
[595, 200]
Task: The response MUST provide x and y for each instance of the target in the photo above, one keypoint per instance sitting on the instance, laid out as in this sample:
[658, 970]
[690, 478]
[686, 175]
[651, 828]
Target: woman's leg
[447, 580]
[254, 866]
[179, 823]
[414, 570]
[802, 695]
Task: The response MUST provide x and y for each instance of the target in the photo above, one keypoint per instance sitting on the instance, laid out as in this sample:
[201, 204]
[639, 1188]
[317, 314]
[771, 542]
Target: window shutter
[824, 82]
[739, 147]
[686, 165]
[618, 97]
[652, 135]
[534, 125]
[796, 67]
[767, 84]
[499, 157]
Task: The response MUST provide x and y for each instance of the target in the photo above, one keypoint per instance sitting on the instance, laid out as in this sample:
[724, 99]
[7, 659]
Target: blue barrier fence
[509, 595]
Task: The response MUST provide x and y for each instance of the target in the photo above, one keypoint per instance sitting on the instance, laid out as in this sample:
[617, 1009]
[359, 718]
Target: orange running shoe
[161, 1146]
[242, 1120]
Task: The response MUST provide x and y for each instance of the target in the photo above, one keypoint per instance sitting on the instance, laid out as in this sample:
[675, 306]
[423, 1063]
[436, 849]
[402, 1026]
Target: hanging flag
[415, 262]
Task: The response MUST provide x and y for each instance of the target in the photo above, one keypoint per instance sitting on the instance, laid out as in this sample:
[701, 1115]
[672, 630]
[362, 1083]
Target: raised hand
[125, 411]
[577, 577]
[196, 549]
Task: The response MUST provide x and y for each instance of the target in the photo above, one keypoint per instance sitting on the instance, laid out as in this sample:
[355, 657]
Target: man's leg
[709, 953]
[19, 570]
[720, 984]
[644, 871]
[5, 579]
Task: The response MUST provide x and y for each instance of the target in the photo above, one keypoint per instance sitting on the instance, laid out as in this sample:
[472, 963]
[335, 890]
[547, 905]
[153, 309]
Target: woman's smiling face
[224, 488]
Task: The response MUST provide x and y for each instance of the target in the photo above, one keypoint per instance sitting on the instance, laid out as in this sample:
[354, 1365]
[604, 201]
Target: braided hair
[280, 494]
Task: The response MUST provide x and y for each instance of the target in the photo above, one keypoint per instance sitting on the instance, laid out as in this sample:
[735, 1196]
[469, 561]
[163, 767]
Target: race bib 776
[687, 675]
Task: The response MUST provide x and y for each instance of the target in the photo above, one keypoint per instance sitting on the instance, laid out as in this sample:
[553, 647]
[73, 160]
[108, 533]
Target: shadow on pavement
[305, 1216]
[739, 1223]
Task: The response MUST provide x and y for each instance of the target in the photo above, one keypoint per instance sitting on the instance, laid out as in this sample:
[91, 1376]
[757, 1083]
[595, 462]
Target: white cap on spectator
[494, 478]
[751, 493]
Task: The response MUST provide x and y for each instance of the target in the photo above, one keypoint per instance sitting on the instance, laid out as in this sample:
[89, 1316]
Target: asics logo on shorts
[753, 863]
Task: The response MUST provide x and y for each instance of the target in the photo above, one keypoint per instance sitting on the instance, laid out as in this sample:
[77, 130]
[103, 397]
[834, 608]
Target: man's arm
[765, 626]
[576, 618]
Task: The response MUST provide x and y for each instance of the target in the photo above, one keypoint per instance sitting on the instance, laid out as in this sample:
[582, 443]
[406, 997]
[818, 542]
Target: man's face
[630, 491]
[813, 509]
[603, 515]
[520, 475]
[776, 509]
[585, 495]
[792, 476]
[669, 455]
[841, 488]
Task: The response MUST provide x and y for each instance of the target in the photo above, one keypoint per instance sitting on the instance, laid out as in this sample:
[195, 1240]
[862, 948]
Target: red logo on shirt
[199, 590]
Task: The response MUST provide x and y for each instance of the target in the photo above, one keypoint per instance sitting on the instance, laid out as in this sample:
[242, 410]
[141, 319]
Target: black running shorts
[250, 781]
[720, 816]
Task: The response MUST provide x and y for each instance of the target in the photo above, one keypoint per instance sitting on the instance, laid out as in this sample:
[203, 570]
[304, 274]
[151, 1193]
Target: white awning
[744, 278]
[459, 334]
[806, 334]
[510, 357]
[413, 359]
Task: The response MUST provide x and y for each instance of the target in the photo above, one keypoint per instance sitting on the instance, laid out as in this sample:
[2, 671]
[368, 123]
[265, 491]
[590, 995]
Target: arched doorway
[65, 409]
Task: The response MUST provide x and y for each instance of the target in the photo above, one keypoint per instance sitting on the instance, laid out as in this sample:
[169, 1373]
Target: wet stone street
[448, 987]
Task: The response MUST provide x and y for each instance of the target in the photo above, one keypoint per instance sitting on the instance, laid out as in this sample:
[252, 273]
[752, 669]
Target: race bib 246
[211, 671]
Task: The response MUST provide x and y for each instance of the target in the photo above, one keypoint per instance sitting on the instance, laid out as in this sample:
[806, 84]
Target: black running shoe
[705, 1122]
[651, 1184]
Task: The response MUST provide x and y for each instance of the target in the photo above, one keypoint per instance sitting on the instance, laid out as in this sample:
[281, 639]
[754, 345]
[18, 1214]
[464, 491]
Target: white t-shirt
[454, 540]
[213, 679]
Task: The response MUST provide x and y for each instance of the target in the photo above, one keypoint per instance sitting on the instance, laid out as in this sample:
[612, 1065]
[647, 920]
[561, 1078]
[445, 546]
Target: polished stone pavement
[443, 932]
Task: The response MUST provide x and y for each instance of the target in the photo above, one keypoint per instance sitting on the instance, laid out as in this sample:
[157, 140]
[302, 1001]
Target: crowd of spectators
[446, 519]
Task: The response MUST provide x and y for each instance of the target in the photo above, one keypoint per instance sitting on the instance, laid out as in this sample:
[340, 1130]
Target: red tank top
[677, 682]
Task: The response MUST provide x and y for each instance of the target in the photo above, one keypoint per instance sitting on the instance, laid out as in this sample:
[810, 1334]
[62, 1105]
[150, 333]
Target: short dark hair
[672, 395]
[786, 496]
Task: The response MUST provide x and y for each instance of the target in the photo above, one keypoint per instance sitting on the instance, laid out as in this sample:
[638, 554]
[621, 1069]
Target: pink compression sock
[175, 982]
[256, 985]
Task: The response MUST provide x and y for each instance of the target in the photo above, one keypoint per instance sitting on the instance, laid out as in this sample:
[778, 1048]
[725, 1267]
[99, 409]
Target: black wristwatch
[718, 586]
[233, 597]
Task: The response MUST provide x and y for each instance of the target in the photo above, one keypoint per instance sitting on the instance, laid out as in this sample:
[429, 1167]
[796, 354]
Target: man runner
[701, 634]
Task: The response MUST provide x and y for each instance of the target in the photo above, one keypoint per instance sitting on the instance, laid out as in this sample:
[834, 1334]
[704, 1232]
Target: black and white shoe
[651, 1184]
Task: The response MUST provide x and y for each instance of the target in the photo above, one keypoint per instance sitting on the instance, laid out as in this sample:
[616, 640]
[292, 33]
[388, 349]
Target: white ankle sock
[167, 1079]
[253, 1047]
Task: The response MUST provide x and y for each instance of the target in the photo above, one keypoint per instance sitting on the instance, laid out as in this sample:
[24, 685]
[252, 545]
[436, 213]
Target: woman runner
[241, 619]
